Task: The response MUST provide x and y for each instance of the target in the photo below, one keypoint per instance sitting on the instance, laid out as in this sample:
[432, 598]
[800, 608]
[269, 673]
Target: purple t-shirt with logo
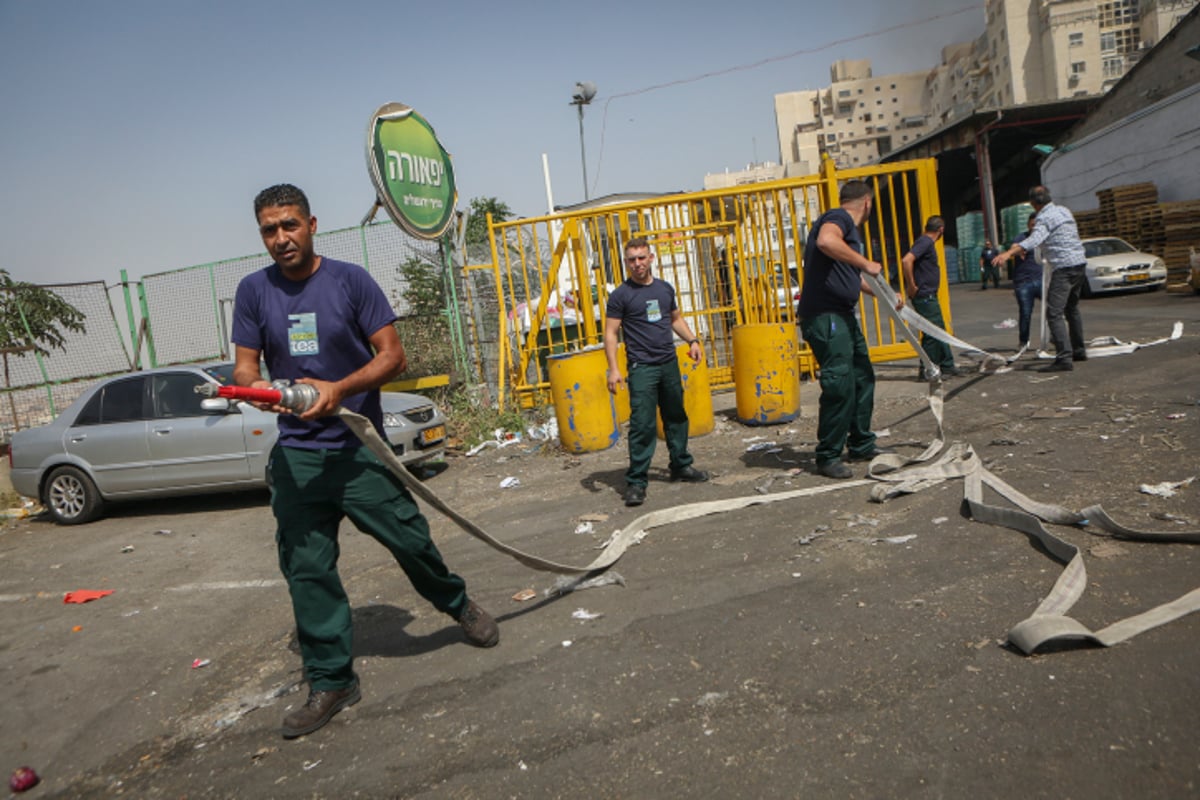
[316, 328]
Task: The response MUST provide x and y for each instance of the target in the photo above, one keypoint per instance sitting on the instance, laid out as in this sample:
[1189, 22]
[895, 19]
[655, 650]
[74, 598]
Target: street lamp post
[584, 92]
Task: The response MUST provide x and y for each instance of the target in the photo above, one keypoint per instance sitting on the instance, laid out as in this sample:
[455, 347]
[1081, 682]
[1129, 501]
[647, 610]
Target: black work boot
[319, 709]
[480, 629]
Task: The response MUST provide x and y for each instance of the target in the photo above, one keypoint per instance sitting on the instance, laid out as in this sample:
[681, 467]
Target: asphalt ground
[820, 647]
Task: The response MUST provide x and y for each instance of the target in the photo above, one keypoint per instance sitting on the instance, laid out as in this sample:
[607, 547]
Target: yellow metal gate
[733, 255]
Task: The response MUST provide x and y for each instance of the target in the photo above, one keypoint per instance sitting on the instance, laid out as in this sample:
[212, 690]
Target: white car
[1114, 265]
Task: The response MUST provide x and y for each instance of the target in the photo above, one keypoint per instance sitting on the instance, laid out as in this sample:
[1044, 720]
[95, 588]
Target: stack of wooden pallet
[1181, 232]
[1120, 206]
[1089, 225]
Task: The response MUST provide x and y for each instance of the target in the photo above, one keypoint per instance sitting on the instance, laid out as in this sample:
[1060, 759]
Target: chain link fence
[185, 315]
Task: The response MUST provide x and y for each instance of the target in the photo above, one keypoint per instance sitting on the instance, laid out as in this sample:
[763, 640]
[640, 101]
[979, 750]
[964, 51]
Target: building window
[1075, 40]
[893, 86]
[877, 88]
[860, 91]
[829, 137]
[1118, 12]
[1078, 67]
[1108, 42]
[1114, 67]
[844, 93]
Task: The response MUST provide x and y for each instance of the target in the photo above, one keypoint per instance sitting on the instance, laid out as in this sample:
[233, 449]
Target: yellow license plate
[1137, 278]
[435, 434]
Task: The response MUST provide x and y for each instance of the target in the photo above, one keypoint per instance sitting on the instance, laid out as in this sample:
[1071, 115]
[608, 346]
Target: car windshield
[1106, 247]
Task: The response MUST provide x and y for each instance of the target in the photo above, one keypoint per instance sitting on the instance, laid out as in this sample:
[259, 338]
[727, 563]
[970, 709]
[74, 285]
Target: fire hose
[889, 476]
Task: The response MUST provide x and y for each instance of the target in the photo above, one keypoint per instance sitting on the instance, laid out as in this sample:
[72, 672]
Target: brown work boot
[319, 709]
[481, 630]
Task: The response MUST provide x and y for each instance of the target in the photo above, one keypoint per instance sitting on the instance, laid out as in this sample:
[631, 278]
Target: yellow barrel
[583, 406]
[697, 396]
[766, 374]
[621, 398]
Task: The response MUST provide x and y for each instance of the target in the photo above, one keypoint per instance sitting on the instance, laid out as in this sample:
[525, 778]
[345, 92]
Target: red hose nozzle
[296, 397]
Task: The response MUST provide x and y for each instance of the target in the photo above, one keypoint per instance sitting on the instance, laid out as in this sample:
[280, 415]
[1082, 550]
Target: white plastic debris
[585, 527]
[584, 614]
[897, 539]
[510, 482]
[1166, 488]
[758, 446]
[480, 447]
[1008, 323]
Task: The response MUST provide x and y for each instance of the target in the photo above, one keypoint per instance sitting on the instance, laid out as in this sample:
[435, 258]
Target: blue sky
[135, 133]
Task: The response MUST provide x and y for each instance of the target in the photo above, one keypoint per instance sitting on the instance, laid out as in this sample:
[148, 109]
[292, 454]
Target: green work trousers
[311, 492]
[847, 386]
[938, 351]
[655, 387]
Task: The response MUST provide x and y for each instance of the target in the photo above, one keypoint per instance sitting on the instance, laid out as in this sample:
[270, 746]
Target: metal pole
[582, 154]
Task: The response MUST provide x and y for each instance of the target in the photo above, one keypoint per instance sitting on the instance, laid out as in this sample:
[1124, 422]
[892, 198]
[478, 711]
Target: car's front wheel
[72, 497]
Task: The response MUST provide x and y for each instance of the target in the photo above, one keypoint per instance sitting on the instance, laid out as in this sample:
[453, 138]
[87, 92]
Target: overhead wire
[760, 63]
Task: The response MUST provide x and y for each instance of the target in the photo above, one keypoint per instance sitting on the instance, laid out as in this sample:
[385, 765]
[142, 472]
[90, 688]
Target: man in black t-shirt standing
[986, 268]
[644, 307]
[833, 281]
[922, 277]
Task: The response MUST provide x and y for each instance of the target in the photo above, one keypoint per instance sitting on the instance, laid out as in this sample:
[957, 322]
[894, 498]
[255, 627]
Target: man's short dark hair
[281, 194]
[637, 242]
[935, 224]
[1039, 195]
[854, 190]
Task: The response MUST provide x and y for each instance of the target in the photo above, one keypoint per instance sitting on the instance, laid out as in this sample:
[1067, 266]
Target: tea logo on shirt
[653, 313]
[302, 335]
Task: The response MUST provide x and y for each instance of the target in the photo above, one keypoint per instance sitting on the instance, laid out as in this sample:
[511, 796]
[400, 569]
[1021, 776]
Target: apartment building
[1039, 51]
[1029, 52]
[854, 120]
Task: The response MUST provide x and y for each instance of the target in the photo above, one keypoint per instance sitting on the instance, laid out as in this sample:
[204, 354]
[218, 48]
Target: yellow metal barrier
[733, 255]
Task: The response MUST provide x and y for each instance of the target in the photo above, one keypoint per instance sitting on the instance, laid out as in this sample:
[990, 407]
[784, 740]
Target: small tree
[32, 318]
[425, 329]
[480, 207]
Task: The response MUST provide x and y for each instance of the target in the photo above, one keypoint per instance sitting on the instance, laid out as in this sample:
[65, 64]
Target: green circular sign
[411, 171]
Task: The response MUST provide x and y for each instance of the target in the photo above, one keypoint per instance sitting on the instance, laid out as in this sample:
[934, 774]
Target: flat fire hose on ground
[1049, 622]
[889, 476]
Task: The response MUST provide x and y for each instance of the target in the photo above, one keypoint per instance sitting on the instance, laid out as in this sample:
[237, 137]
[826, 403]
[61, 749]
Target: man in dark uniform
[987, 268]
[922, 277]
[644, 307]
[833, 263]
[327, 324]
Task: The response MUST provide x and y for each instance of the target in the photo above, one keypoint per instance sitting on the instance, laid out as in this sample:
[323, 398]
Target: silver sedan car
[146, 435]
